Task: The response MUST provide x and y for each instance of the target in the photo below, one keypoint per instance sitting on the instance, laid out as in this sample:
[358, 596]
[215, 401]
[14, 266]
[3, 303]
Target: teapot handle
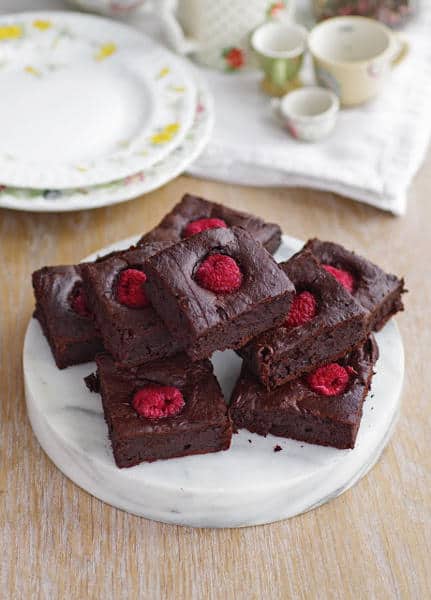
[403, 49]
[165, 11]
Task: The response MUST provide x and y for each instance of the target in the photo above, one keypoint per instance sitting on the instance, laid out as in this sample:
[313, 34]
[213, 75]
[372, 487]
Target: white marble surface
[247, 485]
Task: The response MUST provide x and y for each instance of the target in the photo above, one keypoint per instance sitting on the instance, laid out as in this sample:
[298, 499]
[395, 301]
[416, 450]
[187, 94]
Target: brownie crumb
[92, 382]
[277, 448]
[249, 441]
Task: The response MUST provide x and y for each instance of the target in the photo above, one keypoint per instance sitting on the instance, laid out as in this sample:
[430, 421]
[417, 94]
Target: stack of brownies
[204, 280]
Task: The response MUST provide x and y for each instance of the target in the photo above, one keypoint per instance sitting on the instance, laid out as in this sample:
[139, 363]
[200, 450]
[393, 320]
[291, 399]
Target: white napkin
[372, 156]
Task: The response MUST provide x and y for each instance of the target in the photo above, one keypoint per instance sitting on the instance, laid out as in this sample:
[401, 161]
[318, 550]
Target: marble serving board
[249, 484]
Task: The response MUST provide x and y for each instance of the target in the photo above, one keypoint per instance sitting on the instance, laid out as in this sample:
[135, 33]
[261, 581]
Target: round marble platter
[249, 484]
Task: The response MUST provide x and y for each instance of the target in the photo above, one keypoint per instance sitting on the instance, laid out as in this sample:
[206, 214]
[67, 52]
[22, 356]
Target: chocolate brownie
[217, 290]
[325, 407]
[163, 409]
[62, 311]
[324, 323]
[130, 327]
[193, 214]
[377, 291]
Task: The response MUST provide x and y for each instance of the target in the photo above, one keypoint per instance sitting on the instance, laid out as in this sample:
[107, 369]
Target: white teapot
[216, 32]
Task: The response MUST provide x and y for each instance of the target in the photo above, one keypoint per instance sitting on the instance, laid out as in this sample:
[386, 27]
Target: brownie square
[338, 325]
[71, 335]
[132, 335]
[378, 292]
[296, 411]
[173, 226]
[202, 425]
[205, 320]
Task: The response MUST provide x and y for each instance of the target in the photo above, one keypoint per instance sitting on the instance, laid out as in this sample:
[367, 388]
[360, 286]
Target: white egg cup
[309, 113]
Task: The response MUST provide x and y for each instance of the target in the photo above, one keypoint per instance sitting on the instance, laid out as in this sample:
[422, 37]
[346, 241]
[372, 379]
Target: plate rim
[124, 194]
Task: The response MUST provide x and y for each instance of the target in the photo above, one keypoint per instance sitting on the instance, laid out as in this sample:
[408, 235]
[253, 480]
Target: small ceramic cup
[309, 113]
[353, 55]
[280, 50]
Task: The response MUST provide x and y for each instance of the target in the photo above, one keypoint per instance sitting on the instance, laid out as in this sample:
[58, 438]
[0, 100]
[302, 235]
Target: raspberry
[303, 309]
[78, 301]
[130, 288]
[158, 401]
[330, 380]
[201, 224]
[344, 277]
[219, 273]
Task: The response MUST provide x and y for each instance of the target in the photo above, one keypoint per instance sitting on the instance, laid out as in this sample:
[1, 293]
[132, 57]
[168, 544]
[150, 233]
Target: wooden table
[373, 542]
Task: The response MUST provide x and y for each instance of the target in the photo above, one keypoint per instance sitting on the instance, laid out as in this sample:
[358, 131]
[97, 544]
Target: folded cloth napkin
[372, 156]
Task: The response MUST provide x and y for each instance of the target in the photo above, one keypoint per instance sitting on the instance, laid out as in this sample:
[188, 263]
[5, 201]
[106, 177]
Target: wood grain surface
[373, 542]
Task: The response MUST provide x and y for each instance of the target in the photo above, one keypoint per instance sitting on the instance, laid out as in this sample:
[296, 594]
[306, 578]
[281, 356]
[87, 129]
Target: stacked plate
[92, 112]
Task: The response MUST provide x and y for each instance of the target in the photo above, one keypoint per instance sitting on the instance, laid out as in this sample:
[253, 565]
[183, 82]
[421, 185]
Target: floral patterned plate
[85, 100]
[51, 200]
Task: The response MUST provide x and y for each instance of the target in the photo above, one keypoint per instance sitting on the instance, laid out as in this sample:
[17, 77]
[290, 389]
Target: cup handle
[275, 105]
[403, 49]
[165, 12]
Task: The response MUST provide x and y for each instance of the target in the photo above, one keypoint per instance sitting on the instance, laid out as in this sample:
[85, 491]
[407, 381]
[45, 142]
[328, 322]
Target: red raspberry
[195, 227]
[219, 273]
[330, 380]
[130, 288]
[303, 309]
[78, 301]
[158, 401]
[344, 277]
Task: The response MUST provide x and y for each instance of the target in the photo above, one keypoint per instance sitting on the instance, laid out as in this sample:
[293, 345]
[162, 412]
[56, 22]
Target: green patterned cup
[280, 50]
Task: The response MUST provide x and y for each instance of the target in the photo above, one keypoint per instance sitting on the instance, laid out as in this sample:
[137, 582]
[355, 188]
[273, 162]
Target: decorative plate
[249, 484]
[112, 8]
[85, 100]
[114, 192]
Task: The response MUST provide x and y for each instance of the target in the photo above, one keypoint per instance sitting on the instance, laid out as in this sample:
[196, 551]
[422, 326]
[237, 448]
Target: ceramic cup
[280, 49]
[309, 113]
[353, 55]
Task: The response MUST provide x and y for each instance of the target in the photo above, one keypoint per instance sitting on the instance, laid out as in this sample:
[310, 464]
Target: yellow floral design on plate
[105, 51]
[10, 32]
[42, 25]
[163, 72]
[166, 134]
[32, 71]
